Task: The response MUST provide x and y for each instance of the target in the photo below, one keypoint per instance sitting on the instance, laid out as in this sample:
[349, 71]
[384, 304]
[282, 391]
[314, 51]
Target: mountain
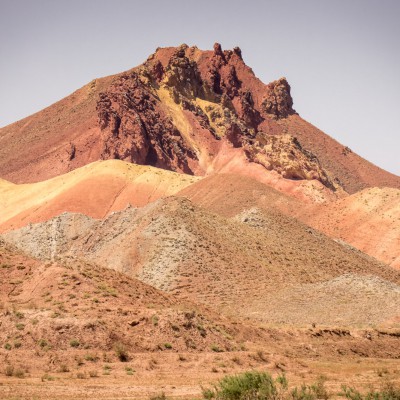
[191, 111]
[167, 225]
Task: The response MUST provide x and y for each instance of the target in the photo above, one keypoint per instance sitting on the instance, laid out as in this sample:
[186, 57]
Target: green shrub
[19, 314]
[64, 368]
[388, 392]
[9, 370]
[155, 319]
[252, 385]
[256, 385]
[315, 391]
[129, 370]
[47, 377]
[91, 357]
[121, 352]
[217, 349]
[74, 343]
[159, 397]
[43, 343]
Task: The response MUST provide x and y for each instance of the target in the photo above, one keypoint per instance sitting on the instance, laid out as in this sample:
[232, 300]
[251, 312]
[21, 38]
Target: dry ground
[64, 325]
[182, 375]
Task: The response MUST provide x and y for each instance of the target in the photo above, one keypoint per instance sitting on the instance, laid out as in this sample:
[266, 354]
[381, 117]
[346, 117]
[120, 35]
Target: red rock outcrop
[135, 129]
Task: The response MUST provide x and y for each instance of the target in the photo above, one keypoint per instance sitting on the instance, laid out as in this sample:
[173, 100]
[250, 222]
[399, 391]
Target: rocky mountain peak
[187, 110]
[182, 101]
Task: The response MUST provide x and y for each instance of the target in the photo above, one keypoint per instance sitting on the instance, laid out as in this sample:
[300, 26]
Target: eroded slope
[368, 220]
[75, 307]
[251, 265]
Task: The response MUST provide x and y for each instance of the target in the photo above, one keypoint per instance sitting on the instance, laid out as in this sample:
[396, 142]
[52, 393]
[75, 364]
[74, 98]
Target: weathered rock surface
[136, 126]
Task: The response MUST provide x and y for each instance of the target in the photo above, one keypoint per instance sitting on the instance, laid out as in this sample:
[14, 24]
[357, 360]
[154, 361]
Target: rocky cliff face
[160, 113]
[285, 155]
[135, 129]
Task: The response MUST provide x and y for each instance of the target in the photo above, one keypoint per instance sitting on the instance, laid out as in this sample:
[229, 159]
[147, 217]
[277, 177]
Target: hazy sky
[341, 58]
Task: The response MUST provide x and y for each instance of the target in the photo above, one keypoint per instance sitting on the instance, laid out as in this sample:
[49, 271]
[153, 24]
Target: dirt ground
[183, 375]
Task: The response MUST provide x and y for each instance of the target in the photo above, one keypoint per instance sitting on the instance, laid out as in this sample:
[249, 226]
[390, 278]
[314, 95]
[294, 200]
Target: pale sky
[341, 58]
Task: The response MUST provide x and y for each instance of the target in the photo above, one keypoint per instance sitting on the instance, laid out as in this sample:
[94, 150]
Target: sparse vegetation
[216, 348]
[19, 373]
[256, 385]
[19, 314]
[159, 397]
[81, 375]
[20, 326]
[314, 391]
[181, 357]
[382, 371]
[121, 352]
[91, 357]
[64, 368]
[9, 370]
[47, 377]
[389, 391]
[43, 343]
[202, 330]
[106, 369]
[79, 361]
[237, 360]
[74, 343]
[129, 370]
